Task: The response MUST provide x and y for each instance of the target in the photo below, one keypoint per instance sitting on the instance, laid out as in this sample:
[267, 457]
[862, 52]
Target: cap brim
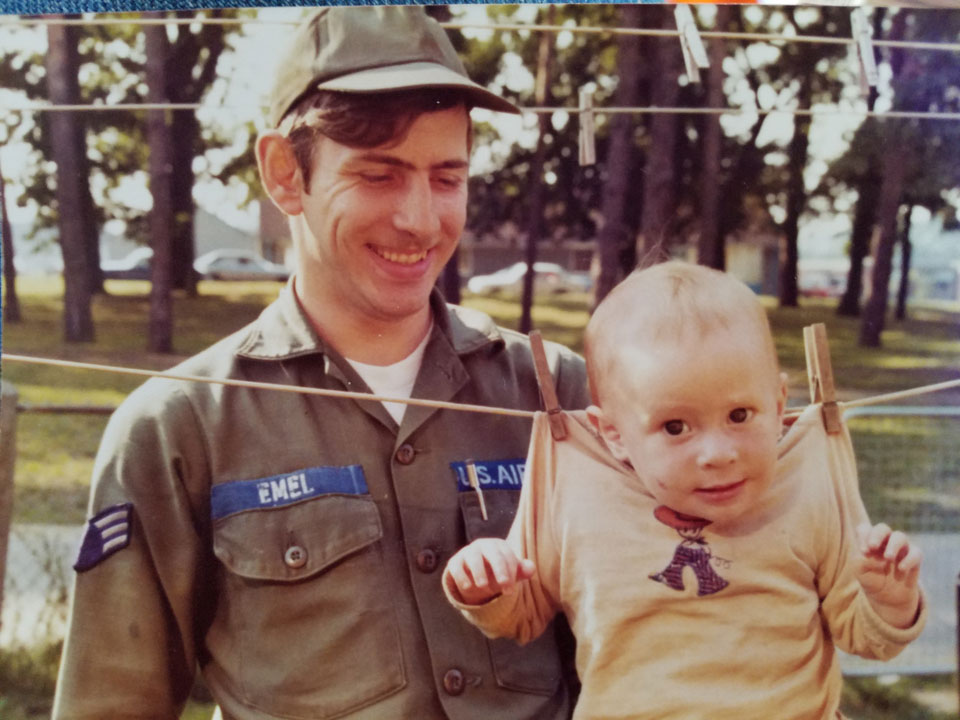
[417, 75]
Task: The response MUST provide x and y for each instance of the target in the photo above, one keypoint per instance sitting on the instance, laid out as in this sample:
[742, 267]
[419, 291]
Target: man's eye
[449, 182]
[375, 179]
[740, 415]
[674, 427]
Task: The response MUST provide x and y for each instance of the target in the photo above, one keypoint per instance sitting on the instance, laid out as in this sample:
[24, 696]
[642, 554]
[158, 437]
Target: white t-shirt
[394, 380]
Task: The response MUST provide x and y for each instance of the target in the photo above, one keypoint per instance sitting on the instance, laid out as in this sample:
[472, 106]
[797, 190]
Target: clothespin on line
[475, 484]
[820, 375]
[863, 37]
[695, 56]
[547, 390]
[588, 147]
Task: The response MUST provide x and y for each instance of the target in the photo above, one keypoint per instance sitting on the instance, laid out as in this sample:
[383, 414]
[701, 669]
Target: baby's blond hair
[665, 302]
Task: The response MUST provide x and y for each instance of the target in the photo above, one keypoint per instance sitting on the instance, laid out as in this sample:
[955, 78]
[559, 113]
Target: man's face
[699, 421]
[380, 223]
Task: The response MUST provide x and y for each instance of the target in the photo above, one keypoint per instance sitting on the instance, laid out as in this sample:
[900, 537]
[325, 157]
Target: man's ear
[280, 172]
[608, 433]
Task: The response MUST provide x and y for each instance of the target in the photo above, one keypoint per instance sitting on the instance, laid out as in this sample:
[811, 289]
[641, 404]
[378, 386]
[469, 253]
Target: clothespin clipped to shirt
[475, 484]
[694, 53]
[588, 148]
[863, 37]
[820, 375]
[547, 390]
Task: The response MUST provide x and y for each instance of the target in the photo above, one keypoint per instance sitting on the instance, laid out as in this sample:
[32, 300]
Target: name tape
[491, 474]
[279, 490]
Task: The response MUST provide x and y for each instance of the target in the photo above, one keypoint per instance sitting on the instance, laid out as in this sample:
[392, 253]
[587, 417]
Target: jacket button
[295, 557]
[453, 682]
[405, 454]
[427, 560]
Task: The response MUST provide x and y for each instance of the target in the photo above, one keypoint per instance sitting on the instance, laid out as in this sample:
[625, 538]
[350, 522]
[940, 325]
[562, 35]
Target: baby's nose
[717, 451]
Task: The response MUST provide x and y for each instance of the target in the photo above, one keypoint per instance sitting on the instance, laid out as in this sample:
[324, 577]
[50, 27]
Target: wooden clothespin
[588, 148]
[475, 484]
[863, 37]
[547, 390]
[820, 375]
[695, 56]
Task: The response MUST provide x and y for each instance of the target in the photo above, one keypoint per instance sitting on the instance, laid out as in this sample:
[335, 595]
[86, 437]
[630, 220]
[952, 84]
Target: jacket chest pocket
[535, 667]
[307, 612]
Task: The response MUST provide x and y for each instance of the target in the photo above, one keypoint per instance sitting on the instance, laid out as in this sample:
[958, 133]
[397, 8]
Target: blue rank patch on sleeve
[107, 532]
[491, 474]
[279, 490]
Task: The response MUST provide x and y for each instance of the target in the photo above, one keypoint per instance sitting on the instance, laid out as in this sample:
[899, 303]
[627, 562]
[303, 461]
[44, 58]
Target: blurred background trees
[664, 183]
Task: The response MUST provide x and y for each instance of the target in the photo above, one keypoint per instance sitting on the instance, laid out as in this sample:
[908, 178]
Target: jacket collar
[283, 330]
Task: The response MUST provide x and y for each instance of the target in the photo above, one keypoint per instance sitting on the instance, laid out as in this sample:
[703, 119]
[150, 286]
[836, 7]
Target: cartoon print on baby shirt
[693, 551]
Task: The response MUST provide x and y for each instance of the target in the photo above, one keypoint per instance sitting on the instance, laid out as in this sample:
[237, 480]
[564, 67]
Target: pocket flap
[297, 541]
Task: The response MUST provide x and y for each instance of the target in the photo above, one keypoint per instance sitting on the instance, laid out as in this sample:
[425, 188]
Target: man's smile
[399, 257]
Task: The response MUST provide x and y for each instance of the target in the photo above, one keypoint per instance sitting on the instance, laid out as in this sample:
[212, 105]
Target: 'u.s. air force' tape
[279, 490]
[107, 532]
[491, 474]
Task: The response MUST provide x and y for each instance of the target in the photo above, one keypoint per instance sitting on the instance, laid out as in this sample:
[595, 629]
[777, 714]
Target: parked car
[238, 265]
[548, 278]
[134, 266]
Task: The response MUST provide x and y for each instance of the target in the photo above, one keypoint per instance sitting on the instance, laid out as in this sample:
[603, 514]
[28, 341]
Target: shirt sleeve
[130, 649]
[525, 613]
[854, 624]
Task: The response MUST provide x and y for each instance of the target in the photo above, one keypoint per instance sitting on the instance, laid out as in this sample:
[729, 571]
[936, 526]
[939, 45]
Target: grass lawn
[55, 452]
[916, 478]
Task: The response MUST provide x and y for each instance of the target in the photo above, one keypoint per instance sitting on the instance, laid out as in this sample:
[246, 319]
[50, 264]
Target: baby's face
[699, 421]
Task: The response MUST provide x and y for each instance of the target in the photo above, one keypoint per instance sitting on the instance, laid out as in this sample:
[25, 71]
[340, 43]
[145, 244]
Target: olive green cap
[372, 50]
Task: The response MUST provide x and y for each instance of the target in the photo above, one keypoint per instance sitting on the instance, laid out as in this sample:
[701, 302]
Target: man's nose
[717, 450]
[415, 213]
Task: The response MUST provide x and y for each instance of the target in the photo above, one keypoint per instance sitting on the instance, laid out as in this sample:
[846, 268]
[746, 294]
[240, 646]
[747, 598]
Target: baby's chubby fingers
[486, 568]
[910, 559]
[873, 538]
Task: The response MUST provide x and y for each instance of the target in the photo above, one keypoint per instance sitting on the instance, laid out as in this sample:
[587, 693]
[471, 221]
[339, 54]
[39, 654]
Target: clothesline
[649, 110]
[464, 407]
[536, 27]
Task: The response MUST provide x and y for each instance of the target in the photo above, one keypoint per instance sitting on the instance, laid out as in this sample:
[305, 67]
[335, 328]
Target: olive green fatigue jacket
[291, 545]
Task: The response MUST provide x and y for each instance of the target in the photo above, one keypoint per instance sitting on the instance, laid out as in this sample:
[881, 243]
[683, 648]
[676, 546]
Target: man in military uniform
[289, 545]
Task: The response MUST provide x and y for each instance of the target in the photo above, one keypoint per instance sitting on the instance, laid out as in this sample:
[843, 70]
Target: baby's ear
[782, 395]
[608, 433]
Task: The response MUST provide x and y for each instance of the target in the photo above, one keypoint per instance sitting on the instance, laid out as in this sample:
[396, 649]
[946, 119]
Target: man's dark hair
[361, 120]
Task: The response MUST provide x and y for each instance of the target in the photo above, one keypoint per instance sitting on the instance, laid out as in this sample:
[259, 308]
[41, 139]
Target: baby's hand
[484, 569]
[888, 570]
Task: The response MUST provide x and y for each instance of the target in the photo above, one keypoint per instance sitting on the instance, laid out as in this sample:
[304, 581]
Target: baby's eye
[675, 427]
[740, 415]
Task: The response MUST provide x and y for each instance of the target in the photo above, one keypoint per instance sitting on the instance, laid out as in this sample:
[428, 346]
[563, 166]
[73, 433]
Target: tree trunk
[537, 190]
[67, 143]
[11, 304]
[710, 250]
[906, 251]
[891, 190]
[160, 337]
[868, 190]
[868, 193]
[897, 140]
[796, 194]
[659, 189]
[614, 232]
[185, 128]
[186, 82]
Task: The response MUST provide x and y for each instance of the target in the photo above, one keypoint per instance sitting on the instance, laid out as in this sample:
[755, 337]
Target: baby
[707, 562]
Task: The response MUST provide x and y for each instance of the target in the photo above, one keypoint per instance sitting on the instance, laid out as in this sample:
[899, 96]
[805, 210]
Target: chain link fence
[908, 460]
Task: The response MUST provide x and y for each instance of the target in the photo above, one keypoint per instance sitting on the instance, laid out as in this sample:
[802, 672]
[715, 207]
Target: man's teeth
[402, 258]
